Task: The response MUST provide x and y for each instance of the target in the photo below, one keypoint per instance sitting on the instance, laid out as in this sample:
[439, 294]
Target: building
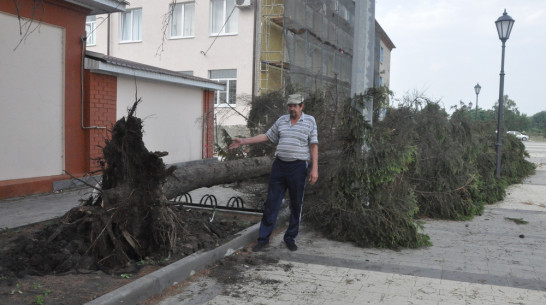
[251, 46]
[384, 46]
[208, 39]
[57, 102]
[155, 48]
[176, 109]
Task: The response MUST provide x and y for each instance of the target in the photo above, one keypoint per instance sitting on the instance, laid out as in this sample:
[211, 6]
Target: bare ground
[78, 286]
[227, 272]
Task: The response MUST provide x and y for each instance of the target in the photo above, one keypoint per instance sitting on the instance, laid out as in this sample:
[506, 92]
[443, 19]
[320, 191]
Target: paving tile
[370, 298]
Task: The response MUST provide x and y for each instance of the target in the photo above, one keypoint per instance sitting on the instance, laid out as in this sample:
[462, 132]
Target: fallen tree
[187, 178]
[375, 183]
[129, 218]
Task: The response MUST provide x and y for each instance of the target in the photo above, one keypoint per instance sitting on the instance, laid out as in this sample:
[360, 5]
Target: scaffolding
[272, 63]
[307, 43]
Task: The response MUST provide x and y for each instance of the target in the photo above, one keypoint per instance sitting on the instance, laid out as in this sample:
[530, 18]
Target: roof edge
[386, 39]
[96, 63]
[101, 6]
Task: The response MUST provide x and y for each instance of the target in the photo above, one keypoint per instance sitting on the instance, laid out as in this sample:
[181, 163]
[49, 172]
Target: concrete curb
[154, 283]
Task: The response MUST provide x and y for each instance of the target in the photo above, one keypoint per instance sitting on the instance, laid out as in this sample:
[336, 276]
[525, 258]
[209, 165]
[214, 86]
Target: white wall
[171, 116]
[386, 65]
[31, 101]
[226, 52]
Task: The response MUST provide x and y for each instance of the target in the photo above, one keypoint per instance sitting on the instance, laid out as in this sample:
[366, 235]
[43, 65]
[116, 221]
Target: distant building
[384, 47]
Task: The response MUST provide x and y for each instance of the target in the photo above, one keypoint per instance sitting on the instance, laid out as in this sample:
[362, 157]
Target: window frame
[122, 17]
[228, 82]
[182, 20]
[92, 33]
[225, 15]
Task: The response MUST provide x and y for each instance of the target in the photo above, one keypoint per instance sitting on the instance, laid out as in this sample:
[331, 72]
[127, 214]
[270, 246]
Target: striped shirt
[293, 141]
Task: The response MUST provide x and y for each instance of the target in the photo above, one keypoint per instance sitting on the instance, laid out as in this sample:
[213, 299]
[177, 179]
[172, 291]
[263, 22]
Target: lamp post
[504, 26]
[477, 89]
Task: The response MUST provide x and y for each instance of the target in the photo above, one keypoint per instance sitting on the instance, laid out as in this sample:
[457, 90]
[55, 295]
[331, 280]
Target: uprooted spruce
[376, 182]
[130, 218]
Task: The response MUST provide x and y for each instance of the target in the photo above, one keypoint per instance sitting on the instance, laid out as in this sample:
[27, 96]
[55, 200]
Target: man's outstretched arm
[238, 142]
[313, 175]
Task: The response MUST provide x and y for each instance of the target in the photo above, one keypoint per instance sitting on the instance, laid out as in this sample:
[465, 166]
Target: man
[296, 137]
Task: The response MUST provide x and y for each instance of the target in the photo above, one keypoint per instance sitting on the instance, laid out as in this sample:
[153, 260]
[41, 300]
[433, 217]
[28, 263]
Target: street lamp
[504, 26]
[477, 89]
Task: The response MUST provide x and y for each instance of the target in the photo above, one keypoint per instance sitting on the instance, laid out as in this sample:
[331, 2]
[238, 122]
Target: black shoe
[258, 247]
[291, 246]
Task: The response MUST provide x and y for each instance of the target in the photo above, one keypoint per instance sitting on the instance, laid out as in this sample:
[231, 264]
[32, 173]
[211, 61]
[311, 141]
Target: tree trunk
[188, 178]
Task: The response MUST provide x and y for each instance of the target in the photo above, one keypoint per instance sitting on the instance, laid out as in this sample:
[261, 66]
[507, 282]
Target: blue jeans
[284, 175]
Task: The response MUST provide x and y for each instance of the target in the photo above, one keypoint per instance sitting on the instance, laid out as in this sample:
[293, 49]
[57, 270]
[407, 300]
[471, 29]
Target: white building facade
[212, 39]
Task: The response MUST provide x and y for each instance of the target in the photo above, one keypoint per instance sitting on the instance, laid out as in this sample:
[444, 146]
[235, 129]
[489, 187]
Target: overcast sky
[444, 47]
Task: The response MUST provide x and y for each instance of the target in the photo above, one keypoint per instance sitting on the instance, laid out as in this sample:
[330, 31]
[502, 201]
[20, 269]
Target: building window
[223, 17]
[183, 20]
[131, 25]
[229, 79]
[381, 54]
[342, 11]
[380, 81]
[90, 25]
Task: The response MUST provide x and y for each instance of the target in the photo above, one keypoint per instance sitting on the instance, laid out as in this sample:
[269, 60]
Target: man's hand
[313, 176]
[237, 142]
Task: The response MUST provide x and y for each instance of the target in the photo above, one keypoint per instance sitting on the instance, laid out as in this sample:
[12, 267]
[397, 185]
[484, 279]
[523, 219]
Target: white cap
[295, 99]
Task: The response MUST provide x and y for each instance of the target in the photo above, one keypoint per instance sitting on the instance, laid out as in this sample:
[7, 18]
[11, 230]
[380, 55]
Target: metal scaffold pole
[363, 58]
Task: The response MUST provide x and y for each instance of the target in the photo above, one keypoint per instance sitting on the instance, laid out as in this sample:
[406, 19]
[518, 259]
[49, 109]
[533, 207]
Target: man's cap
[295, 99]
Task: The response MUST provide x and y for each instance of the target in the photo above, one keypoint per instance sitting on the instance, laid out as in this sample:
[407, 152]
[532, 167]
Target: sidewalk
[21, 211]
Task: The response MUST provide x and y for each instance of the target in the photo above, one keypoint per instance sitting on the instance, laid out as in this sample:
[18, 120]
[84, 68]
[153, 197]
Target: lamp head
[477, 88]
[504, 26]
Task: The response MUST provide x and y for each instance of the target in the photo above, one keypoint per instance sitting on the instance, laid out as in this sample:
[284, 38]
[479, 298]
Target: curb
[151, 284]
[154, 283]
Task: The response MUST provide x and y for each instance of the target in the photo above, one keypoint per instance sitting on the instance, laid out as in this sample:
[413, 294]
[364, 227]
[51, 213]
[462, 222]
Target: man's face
[295, 110]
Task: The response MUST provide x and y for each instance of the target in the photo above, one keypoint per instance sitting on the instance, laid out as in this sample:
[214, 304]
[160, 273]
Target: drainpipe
[108, 37]
[254, 50]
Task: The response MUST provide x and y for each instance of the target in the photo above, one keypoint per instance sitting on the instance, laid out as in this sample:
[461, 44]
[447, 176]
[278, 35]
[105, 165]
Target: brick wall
[101, 96]
[71, 18]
